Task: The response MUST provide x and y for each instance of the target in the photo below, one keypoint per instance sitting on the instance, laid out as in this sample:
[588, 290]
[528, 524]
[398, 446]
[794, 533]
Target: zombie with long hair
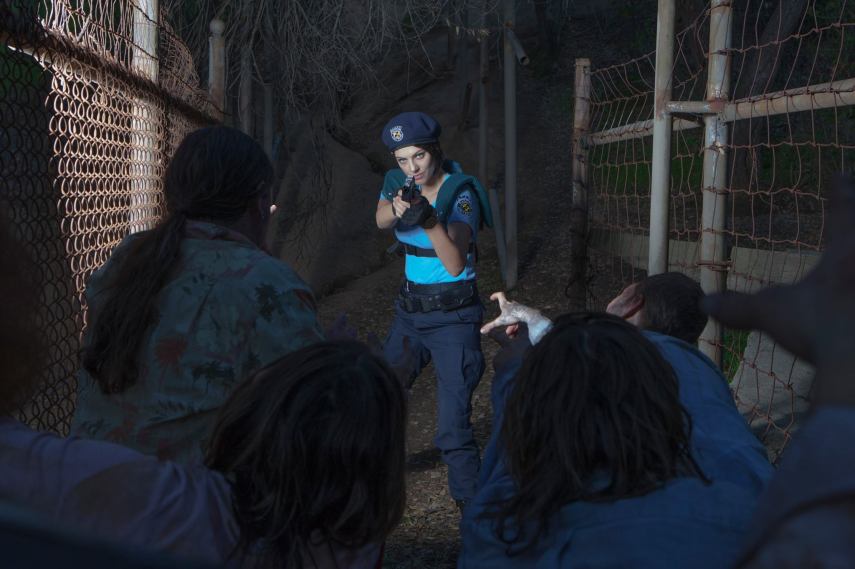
[181, 313]
[590, 462]
[436, 212]
[305, 469]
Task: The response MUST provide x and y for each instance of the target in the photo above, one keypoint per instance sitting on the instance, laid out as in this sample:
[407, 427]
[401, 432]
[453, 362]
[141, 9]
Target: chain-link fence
[749, 168]
[94, 96]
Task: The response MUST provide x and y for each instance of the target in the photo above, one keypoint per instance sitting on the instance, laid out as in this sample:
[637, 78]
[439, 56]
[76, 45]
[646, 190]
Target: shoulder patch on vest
[464, 206]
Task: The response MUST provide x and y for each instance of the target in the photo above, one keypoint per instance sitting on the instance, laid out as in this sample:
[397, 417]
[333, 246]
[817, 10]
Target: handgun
[409, 192]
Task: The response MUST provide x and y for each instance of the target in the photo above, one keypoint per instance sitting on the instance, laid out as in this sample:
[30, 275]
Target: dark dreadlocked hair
[594, 415]
[314, 446]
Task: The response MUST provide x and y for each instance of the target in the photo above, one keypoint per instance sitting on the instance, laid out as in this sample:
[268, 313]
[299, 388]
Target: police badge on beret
[397, 133]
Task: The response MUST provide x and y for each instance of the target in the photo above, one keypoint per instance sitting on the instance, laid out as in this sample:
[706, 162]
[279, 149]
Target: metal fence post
[579, 215]
[217, 66]
[245, 106]
[483, 127]
[712, 259]
[510, 149]
[269, 119]
[483, 79]
[660, 178]
[144, 138]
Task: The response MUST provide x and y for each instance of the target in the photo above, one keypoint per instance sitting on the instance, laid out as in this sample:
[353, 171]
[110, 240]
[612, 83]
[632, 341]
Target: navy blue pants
[453, 341]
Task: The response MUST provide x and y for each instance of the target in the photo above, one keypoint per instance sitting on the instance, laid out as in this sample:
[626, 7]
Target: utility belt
[440, 296]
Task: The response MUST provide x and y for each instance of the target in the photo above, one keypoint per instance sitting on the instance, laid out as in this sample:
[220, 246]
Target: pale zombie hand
[513, 313]
[814, 318]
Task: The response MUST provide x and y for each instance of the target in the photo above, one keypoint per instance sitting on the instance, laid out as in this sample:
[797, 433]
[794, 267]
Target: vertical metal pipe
[498, 231]
[510, 150]
[245, 114]
[660, 179]
[269, 119]
[579, 215]
[483, 78]
[217, 66]
[713, 263]
[142, 209]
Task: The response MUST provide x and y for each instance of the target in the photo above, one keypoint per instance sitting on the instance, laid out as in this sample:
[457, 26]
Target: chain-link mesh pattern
[95, 97]
[792, 127]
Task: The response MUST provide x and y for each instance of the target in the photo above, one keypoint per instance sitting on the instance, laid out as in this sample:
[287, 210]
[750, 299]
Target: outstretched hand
[512, 314]
[814, 318]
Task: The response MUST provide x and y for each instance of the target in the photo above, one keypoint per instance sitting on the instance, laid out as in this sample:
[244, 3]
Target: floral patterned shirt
[229, 309]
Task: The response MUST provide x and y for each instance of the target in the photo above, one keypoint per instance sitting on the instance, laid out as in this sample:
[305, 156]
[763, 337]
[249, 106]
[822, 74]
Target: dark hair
[314, 445]
[672, 306]
[435, 150]
[432, 148]
[21, 344]
[215, 174]
[594, 415]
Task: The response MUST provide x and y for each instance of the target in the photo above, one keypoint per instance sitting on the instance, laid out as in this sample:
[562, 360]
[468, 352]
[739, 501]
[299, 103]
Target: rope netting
[619, 161]
[95, 96]
[791, 126]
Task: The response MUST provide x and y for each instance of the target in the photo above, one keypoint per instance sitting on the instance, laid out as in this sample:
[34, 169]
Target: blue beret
[408, 129]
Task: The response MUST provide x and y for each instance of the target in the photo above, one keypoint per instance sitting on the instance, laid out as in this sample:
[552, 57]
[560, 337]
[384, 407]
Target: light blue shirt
[429, 270]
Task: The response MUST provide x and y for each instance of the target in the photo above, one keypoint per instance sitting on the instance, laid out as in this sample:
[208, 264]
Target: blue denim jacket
[686, 523]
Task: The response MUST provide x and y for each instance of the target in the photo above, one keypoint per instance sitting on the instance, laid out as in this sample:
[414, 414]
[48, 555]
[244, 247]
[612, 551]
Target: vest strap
[419, 252]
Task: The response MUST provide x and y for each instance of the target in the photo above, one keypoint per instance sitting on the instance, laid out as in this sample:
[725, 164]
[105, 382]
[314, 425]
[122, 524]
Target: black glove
[408, 191]
[418, 212]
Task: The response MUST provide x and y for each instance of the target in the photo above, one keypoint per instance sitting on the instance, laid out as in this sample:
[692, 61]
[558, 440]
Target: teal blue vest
[453, 185]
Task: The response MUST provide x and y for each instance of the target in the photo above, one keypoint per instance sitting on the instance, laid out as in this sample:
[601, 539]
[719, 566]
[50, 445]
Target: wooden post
[660, 179]
[217, 66]
[510, 149]
[712, 262]
[579, 216]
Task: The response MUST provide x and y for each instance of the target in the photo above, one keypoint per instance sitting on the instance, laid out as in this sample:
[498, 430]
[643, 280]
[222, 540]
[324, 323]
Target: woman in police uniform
[436, 212]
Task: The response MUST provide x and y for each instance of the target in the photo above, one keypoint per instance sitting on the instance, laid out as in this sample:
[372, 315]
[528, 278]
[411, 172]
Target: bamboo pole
[579, 217]
[660, 182]
[712, 262]
[510, 149]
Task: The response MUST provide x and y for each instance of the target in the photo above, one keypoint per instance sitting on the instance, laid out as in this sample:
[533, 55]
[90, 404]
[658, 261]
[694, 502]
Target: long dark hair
[314, 445]
[214, 175]
[594, 415]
